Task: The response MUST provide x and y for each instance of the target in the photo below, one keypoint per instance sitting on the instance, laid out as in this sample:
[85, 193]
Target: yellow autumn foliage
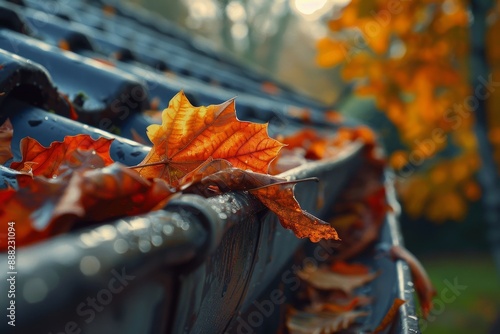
[414, 62]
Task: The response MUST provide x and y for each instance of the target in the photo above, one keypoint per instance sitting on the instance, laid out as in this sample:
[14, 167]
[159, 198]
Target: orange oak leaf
[190, 135]
[73, 152]
[390, 315]
[44, 207]
[221, 176]
[423, 285]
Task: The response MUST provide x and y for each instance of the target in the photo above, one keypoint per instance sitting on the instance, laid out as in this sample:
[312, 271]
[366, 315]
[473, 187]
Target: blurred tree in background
[433, 69]
[413, 58]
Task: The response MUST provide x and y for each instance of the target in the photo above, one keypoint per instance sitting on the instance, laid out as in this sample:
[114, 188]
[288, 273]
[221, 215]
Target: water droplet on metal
[123, 227]
[106, 232]
[120, 246]
[144, 245]
[156, 240]
[168, 229]
[89, 265]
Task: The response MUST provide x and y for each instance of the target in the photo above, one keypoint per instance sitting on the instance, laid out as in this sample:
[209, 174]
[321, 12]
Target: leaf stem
[149, 164]
[294, 182]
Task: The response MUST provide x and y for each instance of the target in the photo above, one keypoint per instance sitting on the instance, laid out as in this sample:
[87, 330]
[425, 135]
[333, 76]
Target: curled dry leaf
[31, 208]
[190, 135]
[203, 171]
[390, 315]
[325, 279]
[279, 198]
[73, 152]
[44, 207]
[116, 191]
[6, 133]
[274, 192]
[194, 149]
[423, 285]
[299, 322]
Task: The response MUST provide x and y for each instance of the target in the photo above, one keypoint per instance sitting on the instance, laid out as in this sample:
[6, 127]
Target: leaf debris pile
[201, 150]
